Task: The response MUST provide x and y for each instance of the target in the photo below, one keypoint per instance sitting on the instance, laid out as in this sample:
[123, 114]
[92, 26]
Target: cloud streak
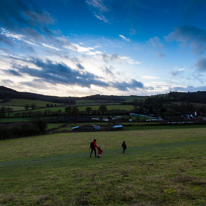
[5, 40]
[98, 8]
[124, 86]
[98, 4]
[188, 88]
[18, 16]
[124, 38]
[59, 73]
[189, 35]
[156, 43]
[201, 64]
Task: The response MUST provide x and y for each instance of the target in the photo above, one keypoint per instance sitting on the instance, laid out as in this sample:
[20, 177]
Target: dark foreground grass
[160, 167]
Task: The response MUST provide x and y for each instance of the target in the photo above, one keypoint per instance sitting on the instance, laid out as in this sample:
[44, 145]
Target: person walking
[93, 146]
[124, 146]
[99, 151]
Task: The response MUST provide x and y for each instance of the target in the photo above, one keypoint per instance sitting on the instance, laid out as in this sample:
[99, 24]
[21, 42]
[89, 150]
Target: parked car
[86, 127]
[117, 126]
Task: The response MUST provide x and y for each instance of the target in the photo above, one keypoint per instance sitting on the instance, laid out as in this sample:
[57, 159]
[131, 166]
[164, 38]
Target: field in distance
[160, 167]
[83, 108]
[23, 102]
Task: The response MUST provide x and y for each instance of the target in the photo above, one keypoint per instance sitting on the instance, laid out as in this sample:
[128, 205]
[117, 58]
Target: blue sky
[108, 47]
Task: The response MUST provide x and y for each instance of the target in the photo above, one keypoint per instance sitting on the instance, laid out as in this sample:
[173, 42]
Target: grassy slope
[54, 125]
[110, 107]
[160, 167]
[131, 98]
[83, 108]
[15, 108]
[22, 102]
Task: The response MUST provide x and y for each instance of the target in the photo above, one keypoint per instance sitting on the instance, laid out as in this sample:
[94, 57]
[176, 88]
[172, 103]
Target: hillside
[196, 97]
[6, 94]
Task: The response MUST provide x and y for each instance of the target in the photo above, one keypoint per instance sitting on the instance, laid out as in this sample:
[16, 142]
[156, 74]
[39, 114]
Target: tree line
[69, 110]
[35, 127]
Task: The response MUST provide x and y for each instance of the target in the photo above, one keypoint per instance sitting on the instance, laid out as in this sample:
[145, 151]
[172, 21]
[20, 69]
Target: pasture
[83, 108]
[84, 102]
[160, 167]
[131, 98]
[109, 107]
[23, 102]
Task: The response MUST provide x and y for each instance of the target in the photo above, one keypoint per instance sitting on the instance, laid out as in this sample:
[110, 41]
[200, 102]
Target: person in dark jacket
[93, 147]
[124, 146]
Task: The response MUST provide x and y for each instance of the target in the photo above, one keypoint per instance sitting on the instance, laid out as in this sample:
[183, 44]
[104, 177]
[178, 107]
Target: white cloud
[129, 60]
[123, 37]
[18, 37]
[149, 77]
[98, 4]
[102, 18]
[83, 49]
[15, 36]
[98, 8]
[155, 42]
[51, 47]
[182, 69]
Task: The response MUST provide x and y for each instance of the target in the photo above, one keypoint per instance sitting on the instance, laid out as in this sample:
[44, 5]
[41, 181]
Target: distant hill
[6, 94]
[104, 97]
[198, 97]
[5, 89]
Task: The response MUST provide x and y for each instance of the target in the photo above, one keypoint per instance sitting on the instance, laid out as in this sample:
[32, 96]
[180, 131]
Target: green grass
[47, 108]
[22, 119]
[68, 128]
[23, 102]
[160, 167]
[15, 108]
[109, 107]
[54, 125]
[83, 108]
[14, 119]
[160, 127]
[84, 101]
[131, 98]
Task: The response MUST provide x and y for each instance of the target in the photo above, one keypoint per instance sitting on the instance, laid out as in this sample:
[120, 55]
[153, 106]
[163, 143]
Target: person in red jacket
[93, 147]
[99, 151]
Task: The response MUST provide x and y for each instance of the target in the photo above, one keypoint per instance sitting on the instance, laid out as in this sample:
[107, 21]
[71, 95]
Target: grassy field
[109, 107]
[14, 119]
[127, 126]
[22, 119]
[89, 102]
[15, 108]
[131, 98]
[160, 127]
[23, 102]
[160, 167]
[83, 108]
[54, 125]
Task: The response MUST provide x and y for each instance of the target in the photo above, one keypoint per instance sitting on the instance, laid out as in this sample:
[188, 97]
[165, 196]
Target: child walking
[124, 146]
[99, 151]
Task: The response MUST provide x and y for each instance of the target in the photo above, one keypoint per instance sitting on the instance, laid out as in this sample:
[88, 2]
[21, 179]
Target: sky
[108, 47]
